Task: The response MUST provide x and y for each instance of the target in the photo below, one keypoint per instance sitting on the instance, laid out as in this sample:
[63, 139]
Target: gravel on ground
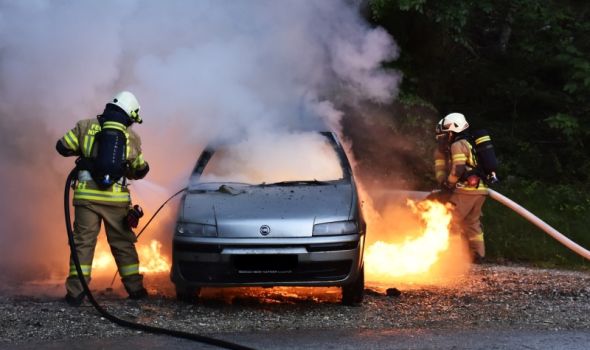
[491, 296]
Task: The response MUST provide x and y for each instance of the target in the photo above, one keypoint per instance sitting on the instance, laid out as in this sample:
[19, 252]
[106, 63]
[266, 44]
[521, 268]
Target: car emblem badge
[264, 230]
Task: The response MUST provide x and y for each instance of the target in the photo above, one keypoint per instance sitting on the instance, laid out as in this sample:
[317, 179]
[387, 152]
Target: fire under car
[282, 212]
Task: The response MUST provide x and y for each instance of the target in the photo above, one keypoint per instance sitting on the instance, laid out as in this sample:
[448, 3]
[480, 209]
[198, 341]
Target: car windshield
[286, 158]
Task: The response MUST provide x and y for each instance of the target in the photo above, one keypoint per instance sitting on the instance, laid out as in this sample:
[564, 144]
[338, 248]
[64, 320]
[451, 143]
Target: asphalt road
[346, 339]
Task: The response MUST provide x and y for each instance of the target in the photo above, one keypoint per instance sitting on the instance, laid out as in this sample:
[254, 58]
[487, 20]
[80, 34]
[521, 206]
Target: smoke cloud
[248, 161]
[201, 70]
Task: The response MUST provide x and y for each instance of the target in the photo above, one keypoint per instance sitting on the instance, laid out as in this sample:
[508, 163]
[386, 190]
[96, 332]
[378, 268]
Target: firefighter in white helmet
[101, 194]
[455, 164]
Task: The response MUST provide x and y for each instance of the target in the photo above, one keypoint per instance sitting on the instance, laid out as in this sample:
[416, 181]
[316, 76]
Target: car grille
[216, 248]
[264, 268]
[329, 247]
[197, 248]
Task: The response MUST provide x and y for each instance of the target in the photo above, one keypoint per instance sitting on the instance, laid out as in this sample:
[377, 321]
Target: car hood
[284, 211]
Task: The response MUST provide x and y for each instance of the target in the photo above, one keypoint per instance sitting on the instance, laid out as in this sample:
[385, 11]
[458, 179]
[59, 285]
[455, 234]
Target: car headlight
[201, 230]
[335, 228]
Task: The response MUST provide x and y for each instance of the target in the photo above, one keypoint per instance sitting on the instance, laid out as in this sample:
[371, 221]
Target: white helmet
[129, 104]
[454, 122]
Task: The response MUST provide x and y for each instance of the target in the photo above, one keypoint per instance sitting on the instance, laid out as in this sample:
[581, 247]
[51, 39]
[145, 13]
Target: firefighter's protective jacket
[452, 167]
[80, 141]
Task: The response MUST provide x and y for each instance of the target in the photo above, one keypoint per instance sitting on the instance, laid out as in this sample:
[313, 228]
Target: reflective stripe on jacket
[440, 166]
[88, 190]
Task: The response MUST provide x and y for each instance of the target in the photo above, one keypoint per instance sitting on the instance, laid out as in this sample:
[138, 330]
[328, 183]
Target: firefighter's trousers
[87, 222]
[466, 220]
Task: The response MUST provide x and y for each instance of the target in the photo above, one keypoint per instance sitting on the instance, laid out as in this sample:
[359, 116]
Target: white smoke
[258, 160]
[200, 69]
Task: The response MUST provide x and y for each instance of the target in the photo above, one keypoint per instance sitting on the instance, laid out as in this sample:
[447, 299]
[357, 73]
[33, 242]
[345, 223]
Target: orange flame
[103, 260]
[151, 259]
[417, 255]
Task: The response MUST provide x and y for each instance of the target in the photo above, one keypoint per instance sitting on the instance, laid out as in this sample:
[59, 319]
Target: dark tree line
[520, 68]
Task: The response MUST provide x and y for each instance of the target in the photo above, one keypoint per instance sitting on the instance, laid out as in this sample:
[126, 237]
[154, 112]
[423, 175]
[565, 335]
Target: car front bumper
[306, 261]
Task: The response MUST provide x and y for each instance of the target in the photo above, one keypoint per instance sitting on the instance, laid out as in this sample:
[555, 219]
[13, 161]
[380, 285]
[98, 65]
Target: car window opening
[307, 159]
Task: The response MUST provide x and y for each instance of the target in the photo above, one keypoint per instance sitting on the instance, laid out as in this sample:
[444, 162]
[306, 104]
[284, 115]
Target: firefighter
[111, 205]
[456, 172]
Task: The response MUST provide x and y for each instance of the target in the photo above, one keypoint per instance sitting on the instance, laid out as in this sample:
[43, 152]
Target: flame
[417, 254]
[151, 259]
[103, 260]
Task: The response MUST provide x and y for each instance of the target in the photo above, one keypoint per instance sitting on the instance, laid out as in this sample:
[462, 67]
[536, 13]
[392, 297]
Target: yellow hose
[573, 246]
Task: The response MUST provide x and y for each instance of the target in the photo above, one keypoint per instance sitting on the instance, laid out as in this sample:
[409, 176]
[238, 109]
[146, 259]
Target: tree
[519, 67]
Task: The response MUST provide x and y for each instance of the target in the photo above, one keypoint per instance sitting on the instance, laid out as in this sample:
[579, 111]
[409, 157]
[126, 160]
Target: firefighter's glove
[473, 181]
[133, 216]
[447, 187]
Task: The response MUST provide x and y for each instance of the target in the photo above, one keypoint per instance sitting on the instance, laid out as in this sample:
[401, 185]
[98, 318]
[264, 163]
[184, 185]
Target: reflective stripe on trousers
[86, 269]
[128, 270]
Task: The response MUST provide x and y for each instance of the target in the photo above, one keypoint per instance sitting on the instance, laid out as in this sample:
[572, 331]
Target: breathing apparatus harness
[107, 161]
[70, 181]
[482, 151]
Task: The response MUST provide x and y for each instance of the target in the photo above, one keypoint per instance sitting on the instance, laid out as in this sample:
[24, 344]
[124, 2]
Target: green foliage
[379, 7]
[411, 100]
[564, 123]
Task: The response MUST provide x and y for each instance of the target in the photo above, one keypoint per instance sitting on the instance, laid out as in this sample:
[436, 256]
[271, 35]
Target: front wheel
[353, 293]
[187, 294]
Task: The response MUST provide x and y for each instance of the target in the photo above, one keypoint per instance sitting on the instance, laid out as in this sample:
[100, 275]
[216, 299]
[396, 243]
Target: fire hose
[568, 243]
[121, 322]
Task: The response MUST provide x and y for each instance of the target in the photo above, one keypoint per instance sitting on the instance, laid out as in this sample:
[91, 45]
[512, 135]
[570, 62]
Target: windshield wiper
[224, 187]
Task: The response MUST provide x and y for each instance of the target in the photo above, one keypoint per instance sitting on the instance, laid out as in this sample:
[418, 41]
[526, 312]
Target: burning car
[278, 212]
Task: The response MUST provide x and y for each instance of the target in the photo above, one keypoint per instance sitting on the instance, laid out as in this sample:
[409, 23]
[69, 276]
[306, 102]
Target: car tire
[187, 294]
[353, 293]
